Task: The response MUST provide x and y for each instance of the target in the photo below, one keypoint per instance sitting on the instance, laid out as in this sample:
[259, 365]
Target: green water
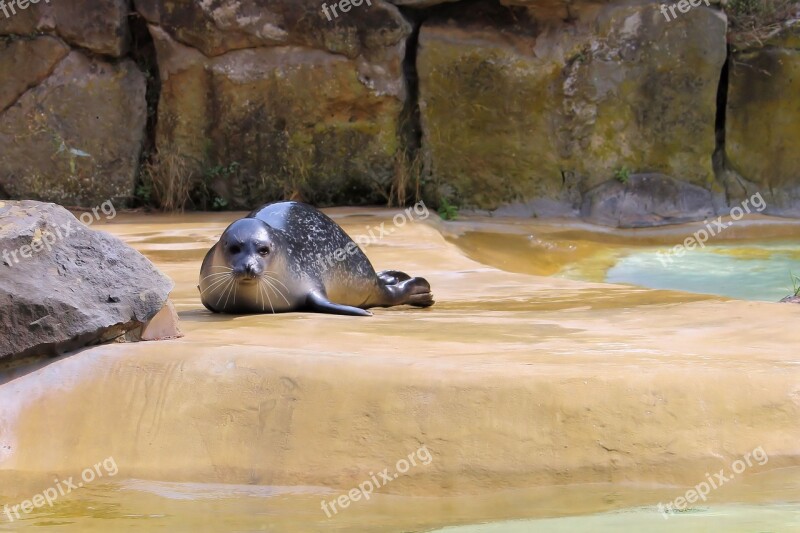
[752, 272]
[139, 505]
[728, 518]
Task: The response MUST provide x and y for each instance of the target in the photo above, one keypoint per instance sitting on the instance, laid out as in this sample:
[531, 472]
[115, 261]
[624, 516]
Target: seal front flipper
[316, 301]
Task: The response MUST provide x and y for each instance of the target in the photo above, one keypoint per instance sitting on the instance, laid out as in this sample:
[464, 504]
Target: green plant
[203, 194]
[447, 211]
[622, 175]
[222, 171]
[144, 193]
[795, 283]
[219, 203]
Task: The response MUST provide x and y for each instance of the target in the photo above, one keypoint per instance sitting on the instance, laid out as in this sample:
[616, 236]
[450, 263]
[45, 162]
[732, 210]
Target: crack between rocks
[719, 158]
[411, 121]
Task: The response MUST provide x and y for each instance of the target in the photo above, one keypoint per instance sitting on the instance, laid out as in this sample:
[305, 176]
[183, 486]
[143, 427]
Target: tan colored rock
[517, 111]
[102, 28]
[763, 128]
[281, 121]
[75, 138]
[165, 325]
[24, 63]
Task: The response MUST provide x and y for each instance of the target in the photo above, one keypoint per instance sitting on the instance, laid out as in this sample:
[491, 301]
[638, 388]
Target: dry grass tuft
[170, 180]
[754, 22]
[407, 178]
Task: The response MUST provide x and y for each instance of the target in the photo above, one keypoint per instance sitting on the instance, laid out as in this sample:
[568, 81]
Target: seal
[288, 256]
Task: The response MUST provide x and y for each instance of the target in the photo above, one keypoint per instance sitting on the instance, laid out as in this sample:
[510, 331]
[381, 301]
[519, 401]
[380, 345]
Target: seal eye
[263, 250]
[235, 249]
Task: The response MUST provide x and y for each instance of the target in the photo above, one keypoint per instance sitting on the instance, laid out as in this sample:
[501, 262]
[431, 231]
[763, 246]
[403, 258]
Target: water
[141, 505]
[728, 518]
[746, 272]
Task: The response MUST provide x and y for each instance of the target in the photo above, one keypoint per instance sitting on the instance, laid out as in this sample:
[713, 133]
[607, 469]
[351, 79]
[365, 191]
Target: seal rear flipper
[412, 291]
[392, 277]
[316, 301]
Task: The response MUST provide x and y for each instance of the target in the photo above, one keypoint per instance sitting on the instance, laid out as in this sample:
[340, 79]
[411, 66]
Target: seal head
[246, 247]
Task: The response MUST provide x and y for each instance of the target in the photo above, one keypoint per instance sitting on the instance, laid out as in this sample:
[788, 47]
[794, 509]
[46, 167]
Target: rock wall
[517, 108]
[527, 106]
[763, 124]
[288, 104]
[72, 106]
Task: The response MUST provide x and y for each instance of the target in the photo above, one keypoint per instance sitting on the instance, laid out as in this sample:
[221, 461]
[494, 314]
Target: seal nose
[252, 270]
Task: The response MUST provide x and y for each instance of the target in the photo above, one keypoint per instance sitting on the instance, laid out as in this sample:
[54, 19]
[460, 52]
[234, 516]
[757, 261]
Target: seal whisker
[234, 285]
[222, 292]
[264, 296]
[220, 273]
[277, 289]
[217, 275]
[261, 297]
[274, 278]
[268, 296]
[214, 285]
[270, 279]
[221, 278]
[266, 291]
[219, 289]
[274, 288]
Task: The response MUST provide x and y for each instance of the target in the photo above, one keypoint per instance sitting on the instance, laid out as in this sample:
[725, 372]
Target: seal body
[288, 256]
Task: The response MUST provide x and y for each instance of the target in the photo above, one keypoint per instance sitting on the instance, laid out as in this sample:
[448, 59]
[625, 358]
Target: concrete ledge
[510, 381]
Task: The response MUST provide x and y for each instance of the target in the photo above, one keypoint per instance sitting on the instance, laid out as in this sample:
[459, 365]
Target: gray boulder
[64, 286]
[646, 200]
